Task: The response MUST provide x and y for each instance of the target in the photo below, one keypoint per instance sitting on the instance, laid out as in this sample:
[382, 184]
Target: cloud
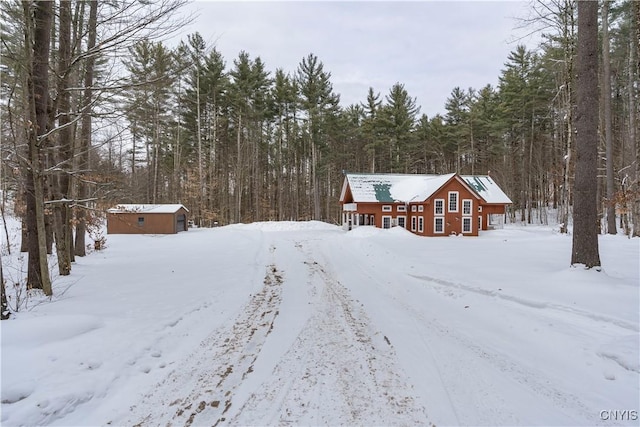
[431, 47]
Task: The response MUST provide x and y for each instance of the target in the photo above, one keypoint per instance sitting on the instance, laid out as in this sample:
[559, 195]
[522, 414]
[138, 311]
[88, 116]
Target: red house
[427, 205]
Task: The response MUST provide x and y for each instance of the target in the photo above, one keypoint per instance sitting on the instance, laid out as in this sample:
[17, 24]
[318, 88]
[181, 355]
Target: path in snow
[332, 366]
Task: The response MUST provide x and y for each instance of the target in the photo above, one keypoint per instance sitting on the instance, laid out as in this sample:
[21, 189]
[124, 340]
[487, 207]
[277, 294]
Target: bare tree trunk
[238, 175]
[608, 134]
[4, 307]
[634, 73]
[85, 133]
[566, 194]
[315, 184]
[156, 148]
[585, 213]
[199, 136]
[38, 94]
[61, 184]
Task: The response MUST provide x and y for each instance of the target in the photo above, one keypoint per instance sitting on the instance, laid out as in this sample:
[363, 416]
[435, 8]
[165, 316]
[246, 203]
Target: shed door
[182, 222]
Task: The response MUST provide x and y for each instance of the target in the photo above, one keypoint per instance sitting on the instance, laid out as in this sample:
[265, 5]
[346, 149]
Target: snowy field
[306, 324]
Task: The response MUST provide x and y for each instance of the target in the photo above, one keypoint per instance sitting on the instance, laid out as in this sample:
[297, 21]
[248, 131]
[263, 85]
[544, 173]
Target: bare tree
[37, 41]
[608, 133]
[60, 181]
[85, 135]
[585, 211]
[634, 70]
[4, 307]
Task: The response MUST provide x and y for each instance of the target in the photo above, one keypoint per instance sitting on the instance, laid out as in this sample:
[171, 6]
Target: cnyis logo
[618, 415]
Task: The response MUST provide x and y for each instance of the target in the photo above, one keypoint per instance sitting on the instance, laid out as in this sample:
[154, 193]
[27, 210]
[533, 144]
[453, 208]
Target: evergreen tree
[398, 118]
[372, 129]
[458, 124]
[318, 102]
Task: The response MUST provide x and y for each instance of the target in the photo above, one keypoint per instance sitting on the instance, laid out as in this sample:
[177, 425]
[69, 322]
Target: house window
[402, 221]
[140, 221]
[401, 208]
[438, 225]
[479, 208]
[414, 220]
[386, 208]
[414, 208]
[438, 207]
[466, 225]
[466, 206]
[479, 223]
[453, 201]
[420, 224]
[386, 221]
[420, 208]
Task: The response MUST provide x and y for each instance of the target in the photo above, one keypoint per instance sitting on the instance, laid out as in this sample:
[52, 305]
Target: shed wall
[153, 223]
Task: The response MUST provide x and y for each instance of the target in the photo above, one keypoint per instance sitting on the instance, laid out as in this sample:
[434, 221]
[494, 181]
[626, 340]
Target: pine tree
[318, 102]
[458, 124]
[372, 129]
[398, 118]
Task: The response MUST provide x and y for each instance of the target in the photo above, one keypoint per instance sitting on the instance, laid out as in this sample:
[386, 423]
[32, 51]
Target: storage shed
[147, 219]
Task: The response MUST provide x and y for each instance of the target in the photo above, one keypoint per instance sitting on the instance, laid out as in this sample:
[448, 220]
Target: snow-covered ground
[306, 324]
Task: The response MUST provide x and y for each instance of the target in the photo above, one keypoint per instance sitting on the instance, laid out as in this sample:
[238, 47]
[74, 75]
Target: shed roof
[487, 188]
[132, 208]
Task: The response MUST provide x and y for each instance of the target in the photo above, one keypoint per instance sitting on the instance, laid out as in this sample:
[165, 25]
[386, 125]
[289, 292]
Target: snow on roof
[389, 188]
[130, 208]
[486, 188]
[418, 188]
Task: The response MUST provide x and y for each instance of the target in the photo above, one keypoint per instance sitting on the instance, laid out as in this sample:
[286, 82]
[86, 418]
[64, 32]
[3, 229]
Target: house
[147, 219]
[427, 205]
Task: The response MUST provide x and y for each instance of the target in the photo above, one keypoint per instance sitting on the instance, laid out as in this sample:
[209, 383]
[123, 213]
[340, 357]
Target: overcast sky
[429, 46]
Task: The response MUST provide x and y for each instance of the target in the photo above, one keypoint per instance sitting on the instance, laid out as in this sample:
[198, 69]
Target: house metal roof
[486, 187]
[131, 208]
[390, 188]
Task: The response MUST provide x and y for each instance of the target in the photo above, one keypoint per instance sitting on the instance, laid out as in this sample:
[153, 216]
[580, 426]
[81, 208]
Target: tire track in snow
[456, 368]
[337, 371]
[529, 303]
[232, 352]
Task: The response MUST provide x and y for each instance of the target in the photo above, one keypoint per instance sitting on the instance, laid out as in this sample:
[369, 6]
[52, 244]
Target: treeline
[236, 142]
[111, 114]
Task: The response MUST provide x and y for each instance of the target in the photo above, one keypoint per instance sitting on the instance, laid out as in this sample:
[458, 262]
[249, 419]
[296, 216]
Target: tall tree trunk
[238, 175]
[38, 95]
[4, 307]
[585, 212]
[634, 74]
[566, 191]
[85, 133]
[608, 133]
[37, 43]
[199, 136]
[64, 156]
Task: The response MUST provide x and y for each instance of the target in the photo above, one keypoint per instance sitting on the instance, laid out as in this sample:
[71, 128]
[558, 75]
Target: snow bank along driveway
[305, 324]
